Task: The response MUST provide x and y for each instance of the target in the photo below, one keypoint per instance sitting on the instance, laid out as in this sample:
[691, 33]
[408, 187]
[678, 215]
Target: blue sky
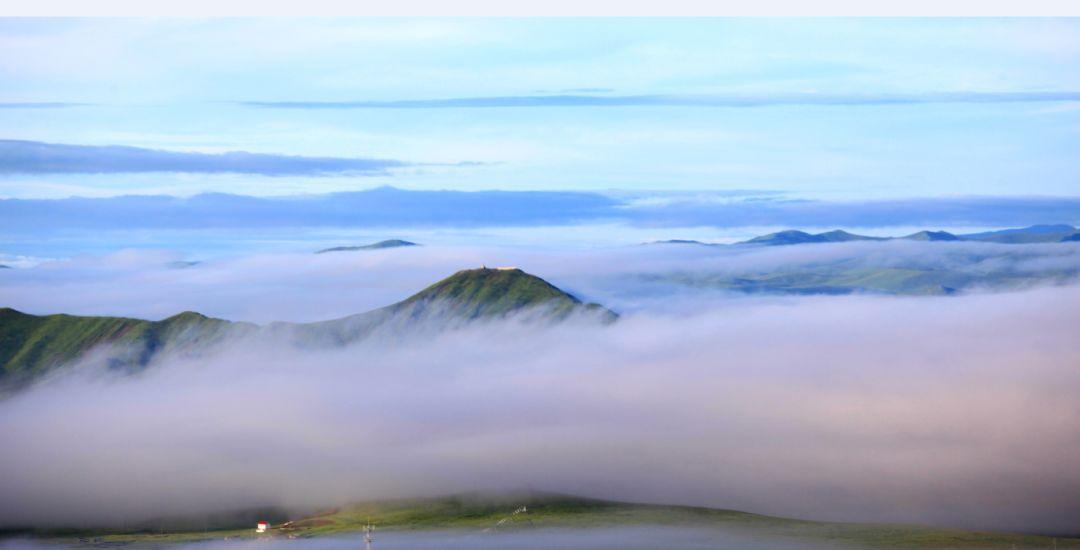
[815, 108]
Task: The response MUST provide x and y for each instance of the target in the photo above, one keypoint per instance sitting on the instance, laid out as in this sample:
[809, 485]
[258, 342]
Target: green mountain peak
[493, 292]
[31, 345]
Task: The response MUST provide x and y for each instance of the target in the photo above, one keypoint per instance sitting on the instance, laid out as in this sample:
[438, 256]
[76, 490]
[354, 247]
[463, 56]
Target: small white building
[262, 526]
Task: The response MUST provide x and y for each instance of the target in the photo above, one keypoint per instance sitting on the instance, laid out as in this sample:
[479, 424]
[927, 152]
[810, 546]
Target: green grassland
[478, 513]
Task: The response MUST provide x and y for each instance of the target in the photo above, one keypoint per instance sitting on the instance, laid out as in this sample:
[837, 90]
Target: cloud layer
[675, 100]
[305, 287]
[32, 157]
[391, 207]
[948, 411]
[39, 105]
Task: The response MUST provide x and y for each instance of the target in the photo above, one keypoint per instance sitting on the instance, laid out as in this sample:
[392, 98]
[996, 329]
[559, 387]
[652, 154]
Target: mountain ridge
[32, 345]
[1021, 235]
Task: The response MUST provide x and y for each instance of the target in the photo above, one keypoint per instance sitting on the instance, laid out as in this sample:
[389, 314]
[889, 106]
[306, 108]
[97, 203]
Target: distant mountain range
[801, 237]
[1032, 234]
[958, 269]
[391, 243]
[32, 345]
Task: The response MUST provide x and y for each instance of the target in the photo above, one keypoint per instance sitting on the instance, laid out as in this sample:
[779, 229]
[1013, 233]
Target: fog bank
[304, 287]
[954, 411]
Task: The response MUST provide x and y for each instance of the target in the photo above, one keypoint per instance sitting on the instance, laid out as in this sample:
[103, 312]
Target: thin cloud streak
[32, 157]
[392, 207]
[41, 105]
[675, 100]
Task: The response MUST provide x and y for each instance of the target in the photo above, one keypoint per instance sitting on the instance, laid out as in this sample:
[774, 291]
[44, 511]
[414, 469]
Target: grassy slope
[476, 513]
[467, 295]
[476, 293]
[30, 345]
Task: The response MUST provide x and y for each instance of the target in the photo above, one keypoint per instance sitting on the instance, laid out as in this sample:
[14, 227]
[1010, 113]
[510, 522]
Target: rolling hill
[1032, 234]
[932, 236]
[801, 237]
[463, 297]
[32, 345]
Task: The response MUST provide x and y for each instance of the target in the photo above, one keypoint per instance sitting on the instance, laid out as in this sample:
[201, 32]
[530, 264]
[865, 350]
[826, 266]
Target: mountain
[792, 236]
[31, 345]
[465, 296]
[1032, 234]
[391, 243]
[932, 236]
[493, 292]
[783, 237]
[1071, 238]
[839, 236]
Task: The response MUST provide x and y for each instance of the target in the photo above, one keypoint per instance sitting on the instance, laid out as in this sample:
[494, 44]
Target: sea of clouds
[954, 411]
[304, 287]
[957, 411]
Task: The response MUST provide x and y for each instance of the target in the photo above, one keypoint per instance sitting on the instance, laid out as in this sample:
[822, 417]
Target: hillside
[391, 243]
[486, 292]
[801, 237]
[31, 345]
[480, 513]
[1031, 234]
[932, 236]
[465, 296]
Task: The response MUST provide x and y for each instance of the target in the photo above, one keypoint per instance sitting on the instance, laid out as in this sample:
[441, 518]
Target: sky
[823, 109]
